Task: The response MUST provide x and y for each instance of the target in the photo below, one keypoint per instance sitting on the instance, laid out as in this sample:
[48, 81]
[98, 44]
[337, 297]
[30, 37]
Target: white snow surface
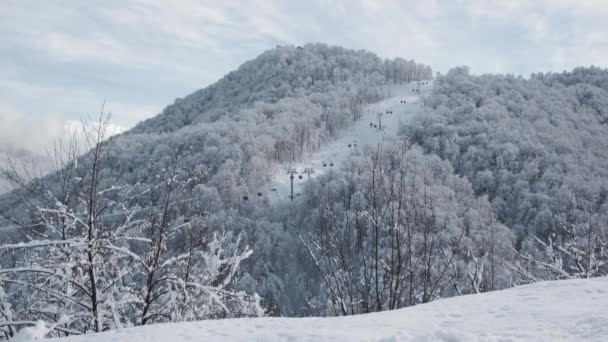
[360, 133]
[565, 310]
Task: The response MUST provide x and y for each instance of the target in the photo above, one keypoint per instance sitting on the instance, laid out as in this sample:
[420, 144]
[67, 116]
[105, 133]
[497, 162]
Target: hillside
[471, 184]
[167, 202]
[396, 110]
[537, 148]
[284, 72]
[572, 310]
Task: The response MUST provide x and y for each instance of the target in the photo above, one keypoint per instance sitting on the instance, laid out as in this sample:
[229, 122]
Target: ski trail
[360, 134]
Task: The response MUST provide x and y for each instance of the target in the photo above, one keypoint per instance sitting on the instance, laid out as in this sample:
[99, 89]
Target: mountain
[284, 72]
[422, 189]
[200, 160]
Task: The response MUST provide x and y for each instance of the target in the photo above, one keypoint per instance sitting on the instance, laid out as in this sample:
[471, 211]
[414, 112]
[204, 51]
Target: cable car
[300, 176]
[324, 164]
[245, 198]
[274, 189]
[348, 145]
[331, 164]
[259, 194]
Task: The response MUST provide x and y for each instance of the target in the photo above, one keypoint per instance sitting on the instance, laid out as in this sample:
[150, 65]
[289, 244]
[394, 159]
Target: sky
[60, 60]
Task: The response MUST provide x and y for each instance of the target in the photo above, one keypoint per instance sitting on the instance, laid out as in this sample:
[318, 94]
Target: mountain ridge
[285, 71]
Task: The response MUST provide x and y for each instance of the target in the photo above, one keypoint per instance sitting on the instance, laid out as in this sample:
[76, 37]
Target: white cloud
[79, 103]
[20, 132]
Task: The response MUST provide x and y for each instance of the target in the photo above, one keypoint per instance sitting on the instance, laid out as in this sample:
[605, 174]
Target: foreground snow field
[571, 310]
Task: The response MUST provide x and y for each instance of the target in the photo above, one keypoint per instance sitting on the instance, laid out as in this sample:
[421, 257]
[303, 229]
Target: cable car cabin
[259, 194]
[331, 164]
[245, 198]
[300, 176]
[273, 189]
[324, 164]
[348, 145]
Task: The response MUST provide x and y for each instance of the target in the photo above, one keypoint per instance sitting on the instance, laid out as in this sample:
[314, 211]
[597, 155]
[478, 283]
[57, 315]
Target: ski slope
[357, 136]
[566, 310]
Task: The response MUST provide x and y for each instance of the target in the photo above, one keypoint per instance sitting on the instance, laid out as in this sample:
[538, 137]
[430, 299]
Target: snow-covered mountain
[285, 72]
[422, 190]
[378, 125]
[572, 310]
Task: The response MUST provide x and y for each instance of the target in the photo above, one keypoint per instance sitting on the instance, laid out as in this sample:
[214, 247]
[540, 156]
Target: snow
[565, 310]
[361, 134]
[33, 333]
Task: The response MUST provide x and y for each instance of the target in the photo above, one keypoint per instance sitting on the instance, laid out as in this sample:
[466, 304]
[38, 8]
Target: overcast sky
[62, 59]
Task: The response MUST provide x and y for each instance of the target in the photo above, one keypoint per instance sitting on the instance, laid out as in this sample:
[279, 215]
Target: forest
[498, 181]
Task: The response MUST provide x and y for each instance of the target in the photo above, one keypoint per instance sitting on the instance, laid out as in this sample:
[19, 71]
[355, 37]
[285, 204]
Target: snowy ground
[572, 310]
[357, 136]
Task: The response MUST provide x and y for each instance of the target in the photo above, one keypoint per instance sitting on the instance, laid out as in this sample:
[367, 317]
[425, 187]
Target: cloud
[69, 103]
[20, 132]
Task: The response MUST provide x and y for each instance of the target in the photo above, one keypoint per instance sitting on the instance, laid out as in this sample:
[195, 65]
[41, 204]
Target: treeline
[150, 226]
[396, 228]
[537, 148]
[89, 254]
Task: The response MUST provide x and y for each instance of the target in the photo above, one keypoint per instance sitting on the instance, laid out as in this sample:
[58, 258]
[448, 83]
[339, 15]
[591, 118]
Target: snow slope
[567, 310]
[360, 134]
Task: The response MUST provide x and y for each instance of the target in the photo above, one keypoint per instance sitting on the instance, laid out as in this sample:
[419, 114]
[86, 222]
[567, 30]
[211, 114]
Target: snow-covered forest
[497, 181]
[536, 148]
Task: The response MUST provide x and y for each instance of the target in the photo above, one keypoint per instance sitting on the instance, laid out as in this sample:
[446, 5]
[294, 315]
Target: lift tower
[291, 172]
[309, 171]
